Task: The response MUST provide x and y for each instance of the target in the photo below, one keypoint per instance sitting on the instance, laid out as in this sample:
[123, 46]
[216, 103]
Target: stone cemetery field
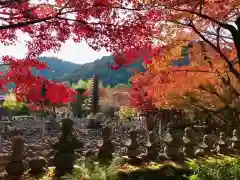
[119, 153]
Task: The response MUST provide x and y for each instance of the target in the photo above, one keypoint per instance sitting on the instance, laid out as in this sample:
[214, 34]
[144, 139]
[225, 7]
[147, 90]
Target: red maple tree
[101, 23]
[216, 22]
[125, 28]
[49, 24]
[35, 89]
[141, 98]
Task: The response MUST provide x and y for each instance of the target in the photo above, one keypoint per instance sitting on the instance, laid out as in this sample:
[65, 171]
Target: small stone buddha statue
[189, 142]
[133, 148]
[15, 167]
[173, 143]
[206, 147]
[64, 157]
[105, 147]
[235, 142]
[152, 152]
[222, 146]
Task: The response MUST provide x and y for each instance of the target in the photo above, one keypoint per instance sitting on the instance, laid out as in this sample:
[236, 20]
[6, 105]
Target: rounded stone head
[132, 134]
[18, 144]
[205, 138]
[222, 135]
[170, 127]
[151, 136]
[67, 125]
[106, 132]
[188, 131]
[235, 132]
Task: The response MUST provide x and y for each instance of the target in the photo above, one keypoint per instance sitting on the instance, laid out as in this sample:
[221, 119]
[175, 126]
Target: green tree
[81, 86]
[12, 107]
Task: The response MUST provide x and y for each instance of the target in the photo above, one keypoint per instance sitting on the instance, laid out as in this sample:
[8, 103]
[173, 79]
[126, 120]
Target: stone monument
[105, 147]
[235, 142]
[15, 167]
[133, 148]
[222, 147]
[189, 143]
[173, 143]
[64, 157]
[206, 147]
[152, 152]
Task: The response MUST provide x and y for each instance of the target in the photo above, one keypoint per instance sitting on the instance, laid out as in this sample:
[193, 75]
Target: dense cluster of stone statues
[67, 148]
[177, 148]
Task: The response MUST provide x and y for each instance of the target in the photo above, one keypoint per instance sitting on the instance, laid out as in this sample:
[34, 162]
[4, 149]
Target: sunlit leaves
[11, 103]
[126, 112]
[168, 87]
[43, 11]
[81, 84]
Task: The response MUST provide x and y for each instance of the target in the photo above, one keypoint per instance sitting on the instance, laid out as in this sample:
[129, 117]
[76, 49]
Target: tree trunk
[236, 39]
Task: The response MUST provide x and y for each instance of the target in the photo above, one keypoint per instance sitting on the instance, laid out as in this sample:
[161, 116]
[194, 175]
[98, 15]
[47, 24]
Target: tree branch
[200, 14]
[229, 63]
[218, 38]
[33, 19]
[236, 38]
[201, 6]
[4, 3]
[198, 71]
[223, 25]
[237, 22]
[22, 24]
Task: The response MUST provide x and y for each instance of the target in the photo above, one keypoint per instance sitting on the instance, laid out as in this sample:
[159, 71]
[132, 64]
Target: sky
[77, 53]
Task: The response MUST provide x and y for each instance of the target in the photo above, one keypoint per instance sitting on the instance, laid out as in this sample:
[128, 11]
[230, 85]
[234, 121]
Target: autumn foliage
[47, 25]
[35, 89]
[174, 23]
[131, 30]
[209, 30]
[205, 83]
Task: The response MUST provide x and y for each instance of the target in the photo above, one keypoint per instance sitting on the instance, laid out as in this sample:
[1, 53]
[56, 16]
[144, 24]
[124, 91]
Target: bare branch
[223, 25]
[22, 24]
[189, 70]
[229, 63]
[218, 38]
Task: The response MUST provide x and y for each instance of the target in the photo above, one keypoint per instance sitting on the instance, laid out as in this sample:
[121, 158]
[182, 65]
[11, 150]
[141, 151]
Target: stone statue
[15, 167]
[206, 147]
[106, 147]
[222, 147]
[189, 142]
[133, 148]
[235, 142]
[152, 152]
[64, 158]
[173, 143]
